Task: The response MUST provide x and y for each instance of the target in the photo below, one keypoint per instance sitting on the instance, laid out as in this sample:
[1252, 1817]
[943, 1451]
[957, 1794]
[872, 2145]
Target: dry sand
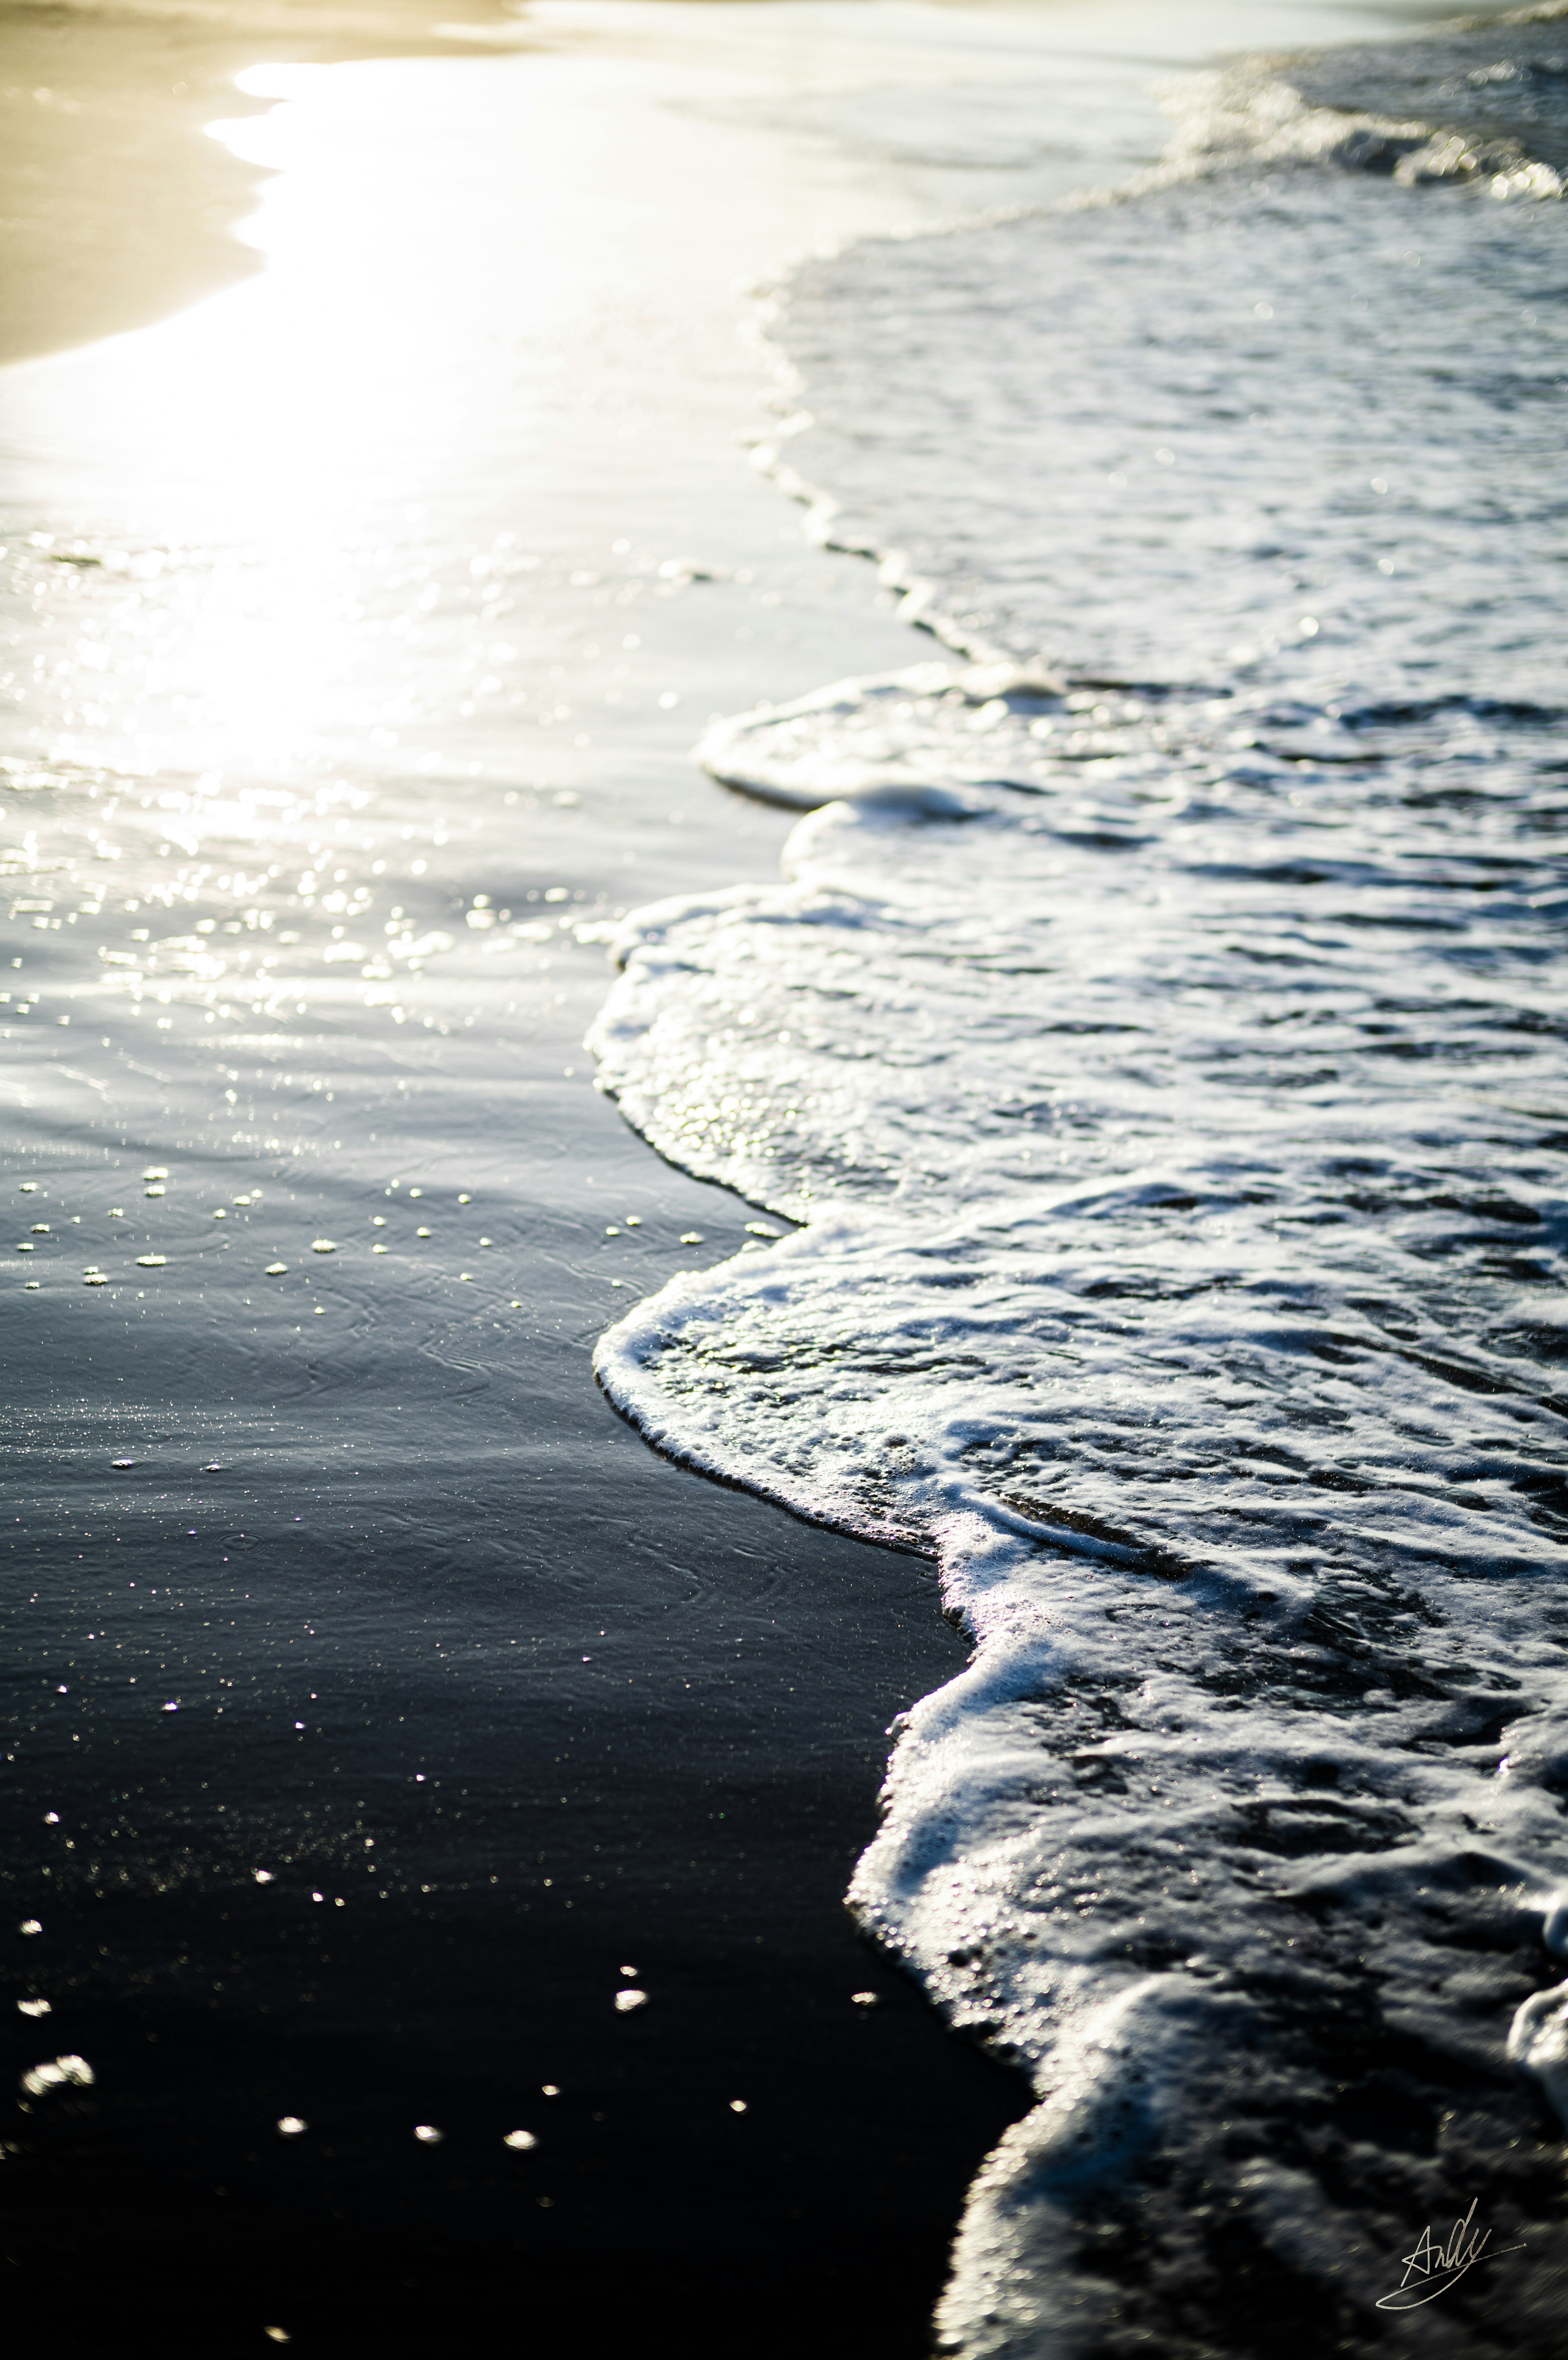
[115, 208]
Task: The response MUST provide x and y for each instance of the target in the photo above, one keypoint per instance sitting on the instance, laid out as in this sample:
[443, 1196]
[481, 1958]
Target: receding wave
[1157, 1042]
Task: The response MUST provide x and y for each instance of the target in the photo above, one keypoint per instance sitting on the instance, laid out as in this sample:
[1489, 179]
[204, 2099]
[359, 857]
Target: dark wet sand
[377, 1499]
[648, 1717]
[565, 1708]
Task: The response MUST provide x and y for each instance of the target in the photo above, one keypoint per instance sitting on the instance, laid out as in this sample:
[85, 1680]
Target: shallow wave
[1158, 1040]
[1175, 438]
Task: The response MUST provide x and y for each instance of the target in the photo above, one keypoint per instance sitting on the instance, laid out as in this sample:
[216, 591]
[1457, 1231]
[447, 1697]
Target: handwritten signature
[1432, 2269]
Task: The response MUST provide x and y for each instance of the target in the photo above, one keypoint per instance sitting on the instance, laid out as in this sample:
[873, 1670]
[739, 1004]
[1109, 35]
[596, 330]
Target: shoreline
[412, 1505]
[433, 1591]
[120, 211]
[117, 209]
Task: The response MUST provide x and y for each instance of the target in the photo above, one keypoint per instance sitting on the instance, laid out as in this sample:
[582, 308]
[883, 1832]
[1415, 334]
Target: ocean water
[1151, 1060]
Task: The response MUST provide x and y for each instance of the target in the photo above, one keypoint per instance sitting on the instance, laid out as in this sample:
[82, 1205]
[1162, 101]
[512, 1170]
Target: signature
[1432, 2269]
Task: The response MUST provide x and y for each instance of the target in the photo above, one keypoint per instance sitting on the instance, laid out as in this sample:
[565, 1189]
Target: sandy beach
[116, 208]
[369, 578]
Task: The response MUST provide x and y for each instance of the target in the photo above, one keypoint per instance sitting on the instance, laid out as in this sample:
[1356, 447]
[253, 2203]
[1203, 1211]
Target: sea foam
[1157, 1040]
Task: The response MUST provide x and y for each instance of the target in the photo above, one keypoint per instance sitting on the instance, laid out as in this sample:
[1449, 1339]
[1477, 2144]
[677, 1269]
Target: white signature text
[1431, 2269]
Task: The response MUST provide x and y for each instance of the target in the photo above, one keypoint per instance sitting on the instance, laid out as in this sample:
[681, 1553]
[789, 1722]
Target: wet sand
[563, 1710]
[115, 208]
[504, 1706]
[374, 604]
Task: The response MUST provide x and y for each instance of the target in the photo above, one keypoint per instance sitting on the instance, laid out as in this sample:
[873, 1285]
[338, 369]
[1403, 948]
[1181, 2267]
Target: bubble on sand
[122, 1463]
[323, 1245]
[275, 1270]
[156, 1172]
[691, 1237]
[58, 2073]
[427, 2134]
[152, 1262]
[292, 2124]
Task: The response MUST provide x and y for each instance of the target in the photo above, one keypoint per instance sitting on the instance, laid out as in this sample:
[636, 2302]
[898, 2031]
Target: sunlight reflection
[275, 440]
[348, 368]
[328, 579]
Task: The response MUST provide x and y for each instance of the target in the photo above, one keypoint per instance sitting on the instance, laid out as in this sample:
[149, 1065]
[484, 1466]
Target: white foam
[1167, 1082]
